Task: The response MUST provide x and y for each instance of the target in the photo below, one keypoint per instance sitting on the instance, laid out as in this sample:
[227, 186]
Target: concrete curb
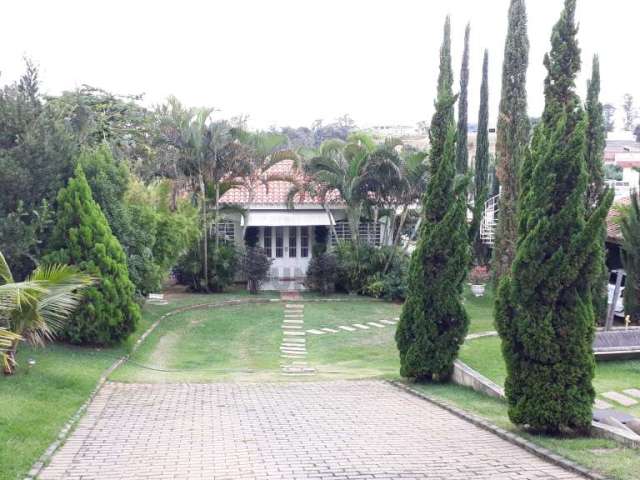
[66, 430]
[531, 447]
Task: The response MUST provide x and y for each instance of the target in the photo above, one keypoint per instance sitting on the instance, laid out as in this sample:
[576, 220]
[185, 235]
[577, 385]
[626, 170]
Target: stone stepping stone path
[293, 349]
[353, 327]
[601, 404]
[620, 398]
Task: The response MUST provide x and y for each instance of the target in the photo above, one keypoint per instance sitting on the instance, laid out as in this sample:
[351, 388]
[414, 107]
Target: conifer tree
[481, 180]
[82, 237]
[512, 134]
[595, 167]
[544, 310]
[434, 322]
[462, 153]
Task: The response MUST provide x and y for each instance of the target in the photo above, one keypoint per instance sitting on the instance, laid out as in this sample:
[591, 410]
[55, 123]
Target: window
[226, 231]
[369, 232]
[304, 242]
[267, 242]
[293, 242]
[279, 241]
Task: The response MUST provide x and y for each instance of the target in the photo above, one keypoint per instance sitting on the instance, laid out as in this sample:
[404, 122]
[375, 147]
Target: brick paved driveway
[336, 430]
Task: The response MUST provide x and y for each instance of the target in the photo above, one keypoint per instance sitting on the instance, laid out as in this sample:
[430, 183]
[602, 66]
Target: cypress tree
[434, 322]
[82, 237]
[595, 155]
[512, 134]
[544, 310]
[462, 152]
[481, 181]
[631, 258]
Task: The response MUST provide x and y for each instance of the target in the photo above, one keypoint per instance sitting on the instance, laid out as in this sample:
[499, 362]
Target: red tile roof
[276, 192]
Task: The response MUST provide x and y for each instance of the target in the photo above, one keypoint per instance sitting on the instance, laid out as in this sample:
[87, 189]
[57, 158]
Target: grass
[241, 343]
[484, 355]
[605, 456]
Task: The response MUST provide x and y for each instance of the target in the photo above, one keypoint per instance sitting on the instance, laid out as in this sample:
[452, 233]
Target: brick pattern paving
[305, 430]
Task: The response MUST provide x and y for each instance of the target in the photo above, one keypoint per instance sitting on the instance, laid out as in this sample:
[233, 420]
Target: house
[289, 234]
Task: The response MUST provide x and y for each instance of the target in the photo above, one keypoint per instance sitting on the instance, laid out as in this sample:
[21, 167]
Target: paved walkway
[329, 430]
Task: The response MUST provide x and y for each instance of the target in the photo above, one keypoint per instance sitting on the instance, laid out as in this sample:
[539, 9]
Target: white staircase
[489, 220]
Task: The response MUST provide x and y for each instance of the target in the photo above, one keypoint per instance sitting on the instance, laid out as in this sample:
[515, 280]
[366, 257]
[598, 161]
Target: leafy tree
[223, 264]
[36, 309]
[512, 134]
[609, 113]
[595, 185]
[630, 113]
[322, 273]
[481, 181]
[631, 258]
[37, 151]
[462, 153]
[82, 237]
[433, 322]
[544, 310]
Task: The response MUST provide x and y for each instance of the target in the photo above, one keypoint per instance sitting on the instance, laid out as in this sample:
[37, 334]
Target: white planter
[477, 290]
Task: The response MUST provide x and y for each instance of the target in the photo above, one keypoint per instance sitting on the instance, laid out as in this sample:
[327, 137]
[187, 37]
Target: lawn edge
[513, 438]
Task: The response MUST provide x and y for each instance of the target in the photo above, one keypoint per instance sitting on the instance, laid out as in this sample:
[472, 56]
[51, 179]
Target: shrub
[357, 262]
[82, 237]
[222, 266]
[322, 273]
[255, 266]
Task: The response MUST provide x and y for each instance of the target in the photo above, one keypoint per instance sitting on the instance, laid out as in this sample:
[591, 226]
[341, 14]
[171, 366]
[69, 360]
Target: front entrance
[290, 249]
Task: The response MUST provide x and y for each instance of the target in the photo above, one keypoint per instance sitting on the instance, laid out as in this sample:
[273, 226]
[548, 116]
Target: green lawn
[241, 343]
[480, 310]
[483, 355]
[604, 456]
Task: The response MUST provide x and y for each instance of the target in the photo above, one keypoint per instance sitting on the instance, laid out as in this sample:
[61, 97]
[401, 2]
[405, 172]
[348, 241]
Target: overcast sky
[289, 62]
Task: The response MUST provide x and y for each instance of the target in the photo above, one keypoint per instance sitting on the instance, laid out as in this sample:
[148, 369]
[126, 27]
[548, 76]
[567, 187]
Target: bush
[392, 285]
[322, 273]
[82, 237]
[255, 266]
[222, 265]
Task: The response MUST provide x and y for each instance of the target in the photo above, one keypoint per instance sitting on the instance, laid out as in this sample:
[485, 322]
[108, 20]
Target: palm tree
[36, 309]
[342, 167]
[263, 151]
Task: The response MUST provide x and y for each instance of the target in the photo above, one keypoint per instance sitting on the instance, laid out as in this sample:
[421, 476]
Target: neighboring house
[289, 234]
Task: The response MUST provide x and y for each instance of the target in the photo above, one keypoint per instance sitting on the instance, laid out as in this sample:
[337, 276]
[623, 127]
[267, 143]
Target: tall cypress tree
[434, 322]
[544, 310]
[595, 167]
[481, 180]
[512, 134]
[82, 237]
[462, 153]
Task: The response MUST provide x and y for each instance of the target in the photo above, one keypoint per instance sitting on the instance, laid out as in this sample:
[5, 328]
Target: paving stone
[601, 404]
[374, 324]
[292, 326]
[359, 325]
[388, 322]
[330, 330]
[348, 329]
[287, 320]
[633, 392]
[294, 306]
[293, 333]
[293, 349]
[291, 430]
[295, 340]
[620, 398]
[316, 332]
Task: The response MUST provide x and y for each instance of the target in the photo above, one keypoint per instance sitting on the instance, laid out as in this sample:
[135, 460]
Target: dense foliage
[82, 238]
[512, 134]
[222, 264]
[255, 267]
[544, 310]
[462, 152]
[433, 322]
[322, 273]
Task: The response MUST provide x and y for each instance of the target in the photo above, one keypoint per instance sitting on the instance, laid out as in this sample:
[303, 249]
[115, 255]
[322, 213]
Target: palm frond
[5, 271]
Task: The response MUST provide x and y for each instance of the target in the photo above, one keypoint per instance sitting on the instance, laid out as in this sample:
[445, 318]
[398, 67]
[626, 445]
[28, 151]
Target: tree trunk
[205, 239]
[9, 366]
[396, 239]
[332, 226]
